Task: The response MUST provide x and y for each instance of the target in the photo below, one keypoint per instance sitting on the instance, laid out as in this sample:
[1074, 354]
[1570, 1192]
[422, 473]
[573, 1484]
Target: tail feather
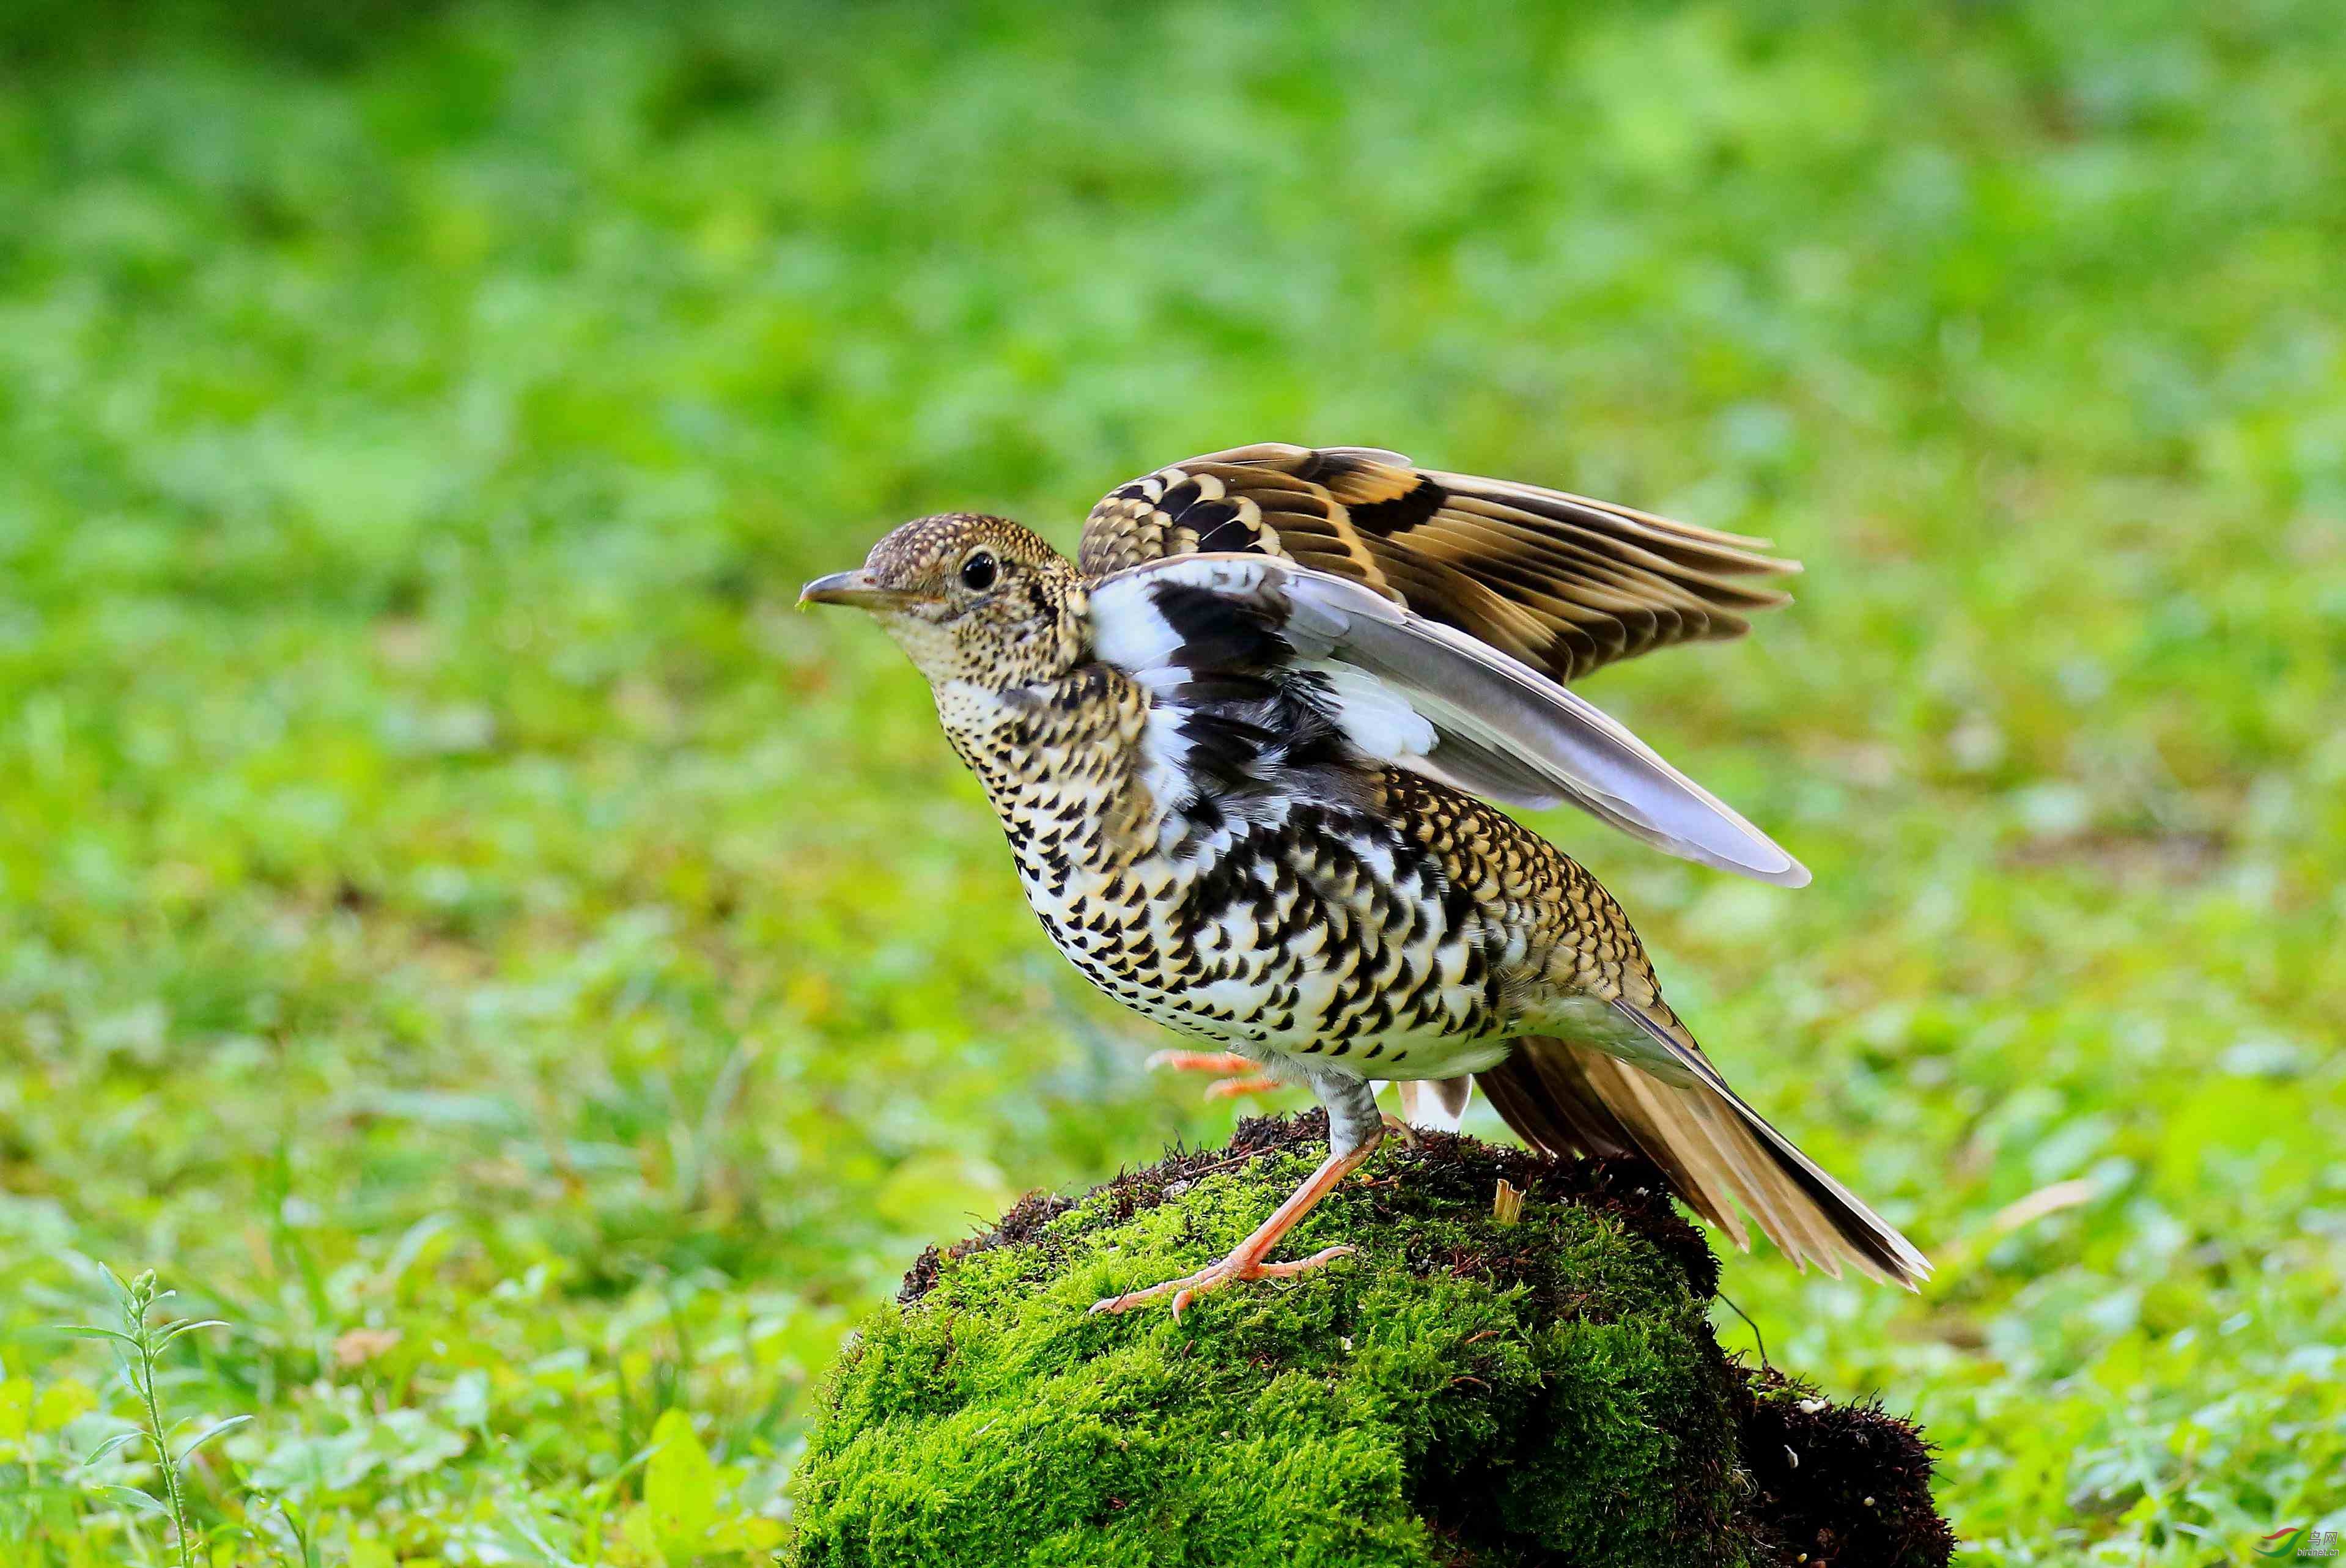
[1718, 1152]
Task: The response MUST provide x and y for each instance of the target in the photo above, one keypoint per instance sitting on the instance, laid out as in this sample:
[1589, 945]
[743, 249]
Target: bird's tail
[1718, 1152]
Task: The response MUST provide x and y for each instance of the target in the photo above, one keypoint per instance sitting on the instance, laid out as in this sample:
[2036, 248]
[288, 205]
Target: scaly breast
[1314, 929]
[1286, 925]
[1302, 931]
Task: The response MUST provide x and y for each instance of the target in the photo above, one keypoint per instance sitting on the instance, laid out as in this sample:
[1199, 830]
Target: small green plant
[139, 1345]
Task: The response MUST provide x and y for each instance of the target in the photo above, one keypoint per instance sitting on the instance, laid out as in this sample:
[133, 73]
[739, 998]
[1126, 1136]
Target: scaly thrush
[1236, 747]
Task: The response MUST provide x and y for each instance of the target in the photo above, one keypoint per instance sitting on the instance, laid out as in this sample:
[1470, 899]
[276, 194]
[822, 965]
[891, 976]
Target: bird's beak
[855, 588]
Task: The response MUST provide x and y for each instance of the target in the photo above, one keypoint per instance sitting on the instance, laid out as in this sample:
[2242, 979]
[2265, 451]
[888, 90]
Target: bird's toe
[1231, 1270]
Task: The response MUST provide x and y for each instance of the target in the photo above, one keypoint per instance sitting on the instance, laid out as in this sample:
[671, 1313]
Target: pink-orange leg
[1246, 1259]
[1241, 1075]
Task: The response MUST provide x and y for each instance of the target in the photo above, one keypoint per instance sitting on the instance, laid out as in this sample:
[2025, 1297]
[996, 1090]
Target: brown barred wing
[1563, 583]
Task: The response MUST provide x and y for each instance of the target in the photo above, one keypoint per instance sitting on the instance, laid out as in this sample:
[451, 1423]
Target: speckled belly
[1322, 938]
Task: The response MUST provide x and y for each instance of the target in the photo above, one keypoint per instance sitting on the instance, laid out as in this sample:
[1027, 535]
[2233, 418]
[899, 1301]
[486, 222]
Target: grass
[459, 926]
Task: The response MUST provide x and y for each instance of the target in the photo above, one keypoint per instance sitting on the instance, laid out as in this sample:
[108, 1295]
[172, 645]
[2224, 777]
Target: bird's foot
[1231, 1270]
[1246, 1259]
[1240, 1075]
[1199, 1061]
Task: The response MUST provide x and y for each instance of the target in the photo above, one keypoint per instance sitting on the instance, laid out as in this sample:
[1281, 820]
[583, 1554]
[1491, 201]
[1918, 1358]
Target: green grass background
[450, 893]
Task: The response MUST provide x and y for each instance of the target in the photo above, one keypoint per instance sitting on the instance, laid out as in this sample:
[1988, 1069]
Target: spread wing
[1560, 581]
[1408, 692]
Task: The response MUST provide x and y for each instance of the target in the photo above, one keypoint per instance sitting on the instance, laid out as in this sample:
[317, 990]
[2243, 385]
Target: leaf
[210, 1432]
[179, 1329]
[92, 1331]
[110, 1444]
[639, 1542]
[133, 1496]
[679, 1484]
[15, 1411]
[749, 1532]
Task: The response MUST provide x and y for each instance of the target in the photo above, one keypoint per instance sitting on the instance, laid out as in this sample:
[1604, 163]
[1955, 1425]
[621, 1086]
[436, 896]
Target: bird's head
[970, 598]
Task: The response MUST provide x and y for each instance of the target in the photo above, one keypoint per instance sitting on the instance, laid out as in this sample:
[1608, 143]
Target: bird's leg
[1240, 1075]
[1246, 1259]
[1355, 1127]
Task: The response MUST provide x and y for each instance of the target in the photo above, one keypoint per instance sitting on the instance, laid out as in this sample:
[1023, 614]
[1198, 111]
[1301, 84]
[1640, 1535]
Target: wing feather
[1496, 726]
[1562, 582]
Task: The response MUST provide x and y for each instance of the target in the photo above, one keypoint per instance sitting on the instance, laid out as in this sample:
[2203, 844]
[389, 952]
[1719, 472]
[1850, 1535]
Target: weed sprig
[139, 1345]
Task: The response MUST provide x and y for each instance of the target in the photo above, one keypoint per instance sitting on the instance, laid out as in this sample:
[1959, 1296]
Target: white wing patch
[1423, 697]
[1375, 716]
[1130, 632]
[1164, 764]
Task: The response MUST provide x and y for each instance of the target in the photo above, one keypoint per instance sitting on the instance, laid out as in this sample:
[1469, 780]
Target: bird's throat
[1057, 761]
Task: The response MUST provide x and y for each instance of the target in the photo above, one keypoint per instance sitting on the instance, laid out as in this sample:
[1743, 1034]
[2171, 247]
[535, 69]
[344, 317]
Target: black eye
[977, 573]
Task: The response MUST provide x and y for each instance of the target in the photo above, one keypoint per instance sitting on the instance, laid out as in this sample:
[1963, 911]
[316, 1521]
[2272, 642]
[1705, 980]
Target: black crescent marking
[1384, 519]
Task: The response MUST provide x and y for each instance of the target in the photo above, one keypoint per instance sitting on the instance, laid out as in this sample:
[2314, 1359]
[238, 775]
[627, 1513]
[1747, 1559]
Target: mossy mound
[1461, 1393]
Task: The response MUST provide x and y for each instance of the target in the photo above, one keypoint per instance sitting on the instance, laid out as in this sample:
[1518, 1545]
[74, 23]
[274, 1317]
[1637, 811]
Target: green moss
[1459, 1392]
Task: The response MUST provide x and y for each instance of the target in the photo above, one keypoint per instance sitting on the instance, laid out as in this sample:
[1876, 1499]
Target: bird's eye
[977, 572]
